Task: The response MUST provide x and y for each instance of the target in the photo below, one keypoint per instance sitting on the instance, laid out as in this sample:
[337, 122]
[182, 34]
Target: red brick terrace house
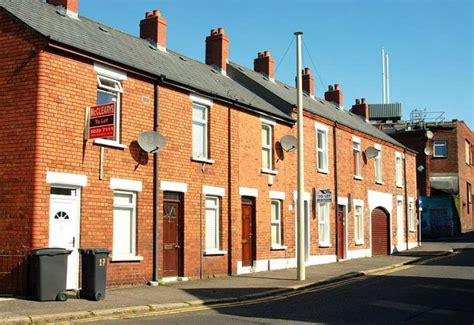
[225, 189]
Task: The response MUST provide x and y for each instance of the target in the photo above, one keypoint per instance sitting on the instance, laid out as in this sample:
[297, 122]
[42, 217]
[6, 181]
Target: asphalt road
[441, 291]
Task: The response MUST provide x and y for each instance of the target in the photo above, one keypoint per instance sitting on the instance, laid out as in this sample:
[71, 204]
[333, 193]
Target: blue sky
[430, 42]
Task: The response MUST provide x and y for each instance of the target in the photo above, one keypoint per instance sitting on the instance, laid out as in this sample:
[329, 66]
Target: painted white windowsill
[359, 242]
[324, 245]
[203, 160]
[358, 178]
[323, 171]
[399, 186]
[412, 230]
[110, 143]
[279, 248]
[268, 171]
[379, 182]
[126, 258]
[210, 252]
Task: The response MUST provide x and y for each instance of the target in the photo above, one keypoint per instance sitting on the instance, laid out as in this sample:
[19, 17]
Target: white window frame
[398, 169]
[132, 256]
[201, 123]
[468, 152]
[378, 165]
[276, 222]
[117, 90]
[356, 147]
[216, 235]
[323, 221]
[322, 165]
[440, 143]
[411, 215]
[268, 165]
[359, 232]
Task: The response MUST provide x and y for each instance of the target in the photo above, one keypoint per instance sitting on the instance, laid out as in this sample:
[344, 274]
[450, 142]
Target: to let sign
[324, 196]
[102, 121]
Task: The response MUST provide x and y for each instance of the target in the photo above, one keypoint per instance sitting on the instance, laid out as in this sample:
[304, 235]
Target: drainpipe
[406, 192]
[156, 184]
[335, 186]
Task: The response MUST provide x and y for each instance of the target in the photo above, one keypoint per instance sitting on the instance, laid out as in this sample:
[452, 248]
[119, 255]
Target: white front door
[399, 223]
[64, 228]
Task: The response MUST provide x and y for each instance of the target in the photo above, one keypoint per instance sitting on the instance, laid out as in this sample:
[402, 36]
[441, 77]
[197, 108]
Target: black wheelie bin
[49, 273]
[94, 273]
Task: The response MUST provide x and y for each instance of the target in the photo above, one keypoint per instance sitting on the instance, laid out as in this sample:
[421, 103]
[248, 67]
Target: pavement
[145, 299]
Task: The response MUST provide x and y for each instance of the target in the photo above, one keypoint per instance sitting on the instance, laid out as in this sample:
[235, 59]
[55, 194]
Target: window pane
[440, 149]
[266, 158]
[123, 227]
[356, 163]
[321, 160]
[211, 228]
[276, 234]
[105, 97]
[199, 138]
[199, 112]
[275, 211]
[320, 139]
[266, 134]
[123, 198]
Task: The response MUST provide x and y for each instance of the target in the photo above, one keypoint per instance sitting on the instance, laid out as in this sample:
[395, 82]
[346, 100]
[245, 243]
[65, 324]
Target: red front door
[340, 232]
[172, 247]
[248, 231]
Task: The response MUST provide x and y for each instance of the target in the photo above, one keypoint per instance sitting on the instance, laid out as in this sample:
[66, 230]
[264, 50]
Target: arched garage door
[380, 232]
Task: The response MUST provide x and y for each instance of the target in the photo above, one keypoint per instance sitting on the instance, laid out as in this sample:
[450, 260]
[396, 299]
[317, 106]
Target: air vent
[61, 11]
[103, 29]
[183, 59]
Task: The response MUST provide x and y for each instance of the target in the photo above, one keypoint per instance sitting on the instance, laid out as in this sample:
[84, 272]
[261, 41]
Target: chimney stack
[361, 108]
[308, 82]
[335, 95]
[265, 64]
[71, 6]
[153, 28]
[217, 49]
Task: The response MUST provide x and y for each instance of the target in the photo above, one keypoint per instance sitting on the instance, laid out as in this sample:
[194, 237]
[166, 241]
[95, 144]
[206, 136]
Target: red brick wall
[465, 176]
[19, 59]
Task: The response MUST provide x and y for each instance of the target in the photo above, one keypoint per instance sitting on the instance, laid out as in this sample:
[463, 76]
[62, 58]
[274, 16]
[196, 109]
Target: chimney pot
[330, 87]
[221, 30]
[361, 108]
[357, 102]
[307, 71]
[265, 64]
[336, 86]
[153, 27]
[363, 100]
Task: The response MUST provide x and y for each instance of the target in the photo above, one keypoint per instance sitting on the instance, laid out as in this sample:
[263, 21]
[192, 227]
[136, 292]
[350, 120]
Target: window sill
[359, 243]
[213, 252]
[379, 182]
[324, 245]
[279, 248]
[323, 171]
[399, 186]
[358, 178]
[203, 160]
[440, 157]
[268, 171]
[109, 143]
[126, 258]
[412, 230]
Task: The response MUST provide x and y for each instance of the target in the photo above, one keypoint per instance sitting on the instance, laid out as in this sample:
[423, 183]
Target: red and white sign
[102, 121]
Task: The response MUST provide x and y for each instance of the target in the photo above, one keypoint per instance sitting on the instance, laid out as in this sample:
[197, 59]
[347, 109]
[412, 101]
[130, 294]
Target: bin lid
[94, 250]
[51, 251]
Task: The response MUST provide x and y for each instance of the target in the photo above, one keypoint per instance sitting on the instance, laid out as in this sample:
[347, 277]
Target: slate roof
[108, 43]
[242, 86]
[277, 92]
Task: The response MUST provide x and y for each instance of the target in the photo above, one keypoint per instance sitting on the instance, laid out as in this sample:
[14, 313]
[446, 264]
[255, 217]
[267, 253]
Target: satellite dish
[151, 141]
[371, 152]
[288, 143]
[429, 135]
[428, 151]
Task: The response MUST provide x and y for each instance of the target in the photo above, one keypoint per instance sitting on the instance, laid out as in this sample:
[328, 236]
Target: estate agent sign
[101, 121]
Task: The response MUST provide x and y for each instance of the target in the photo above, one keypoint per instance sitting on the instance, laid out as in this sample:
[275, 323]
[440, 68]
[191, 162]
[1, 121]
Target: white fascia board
[277, 195]
[213, 190]
[173, 186]
[66, 179]
[200, 100]
[110, 72]
[247, 191]
[126, 185]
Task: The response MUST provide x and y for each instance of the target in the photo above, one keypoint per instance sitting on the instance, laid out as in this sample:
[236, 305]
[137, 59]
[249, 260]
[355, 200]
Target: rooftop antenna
[385, 78]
